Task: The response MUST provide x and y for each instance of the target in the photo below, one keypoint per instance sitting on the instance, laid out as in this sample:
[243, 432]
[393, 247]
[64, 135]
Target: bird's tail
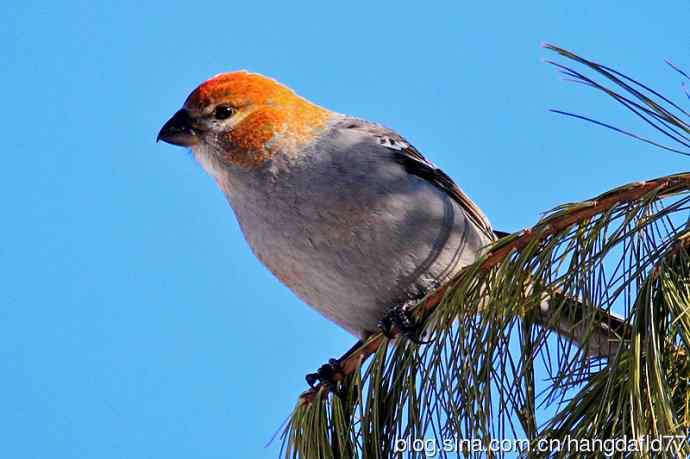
[590, 326]
[598, 331]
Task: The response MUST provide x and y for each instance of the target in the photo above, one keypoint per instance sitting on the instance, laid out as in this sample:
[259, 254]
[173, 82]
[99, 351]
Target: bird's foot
[325, 374]
[400, 317]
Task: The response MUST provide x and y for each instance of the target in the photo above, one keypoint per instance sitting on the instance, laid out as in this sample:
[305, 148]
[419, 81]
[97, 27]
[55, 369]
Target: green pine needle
[624, 251]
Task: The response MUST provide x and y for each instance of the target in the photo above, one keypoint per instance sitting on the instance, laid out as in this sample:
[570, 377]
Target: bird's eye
[223, 112]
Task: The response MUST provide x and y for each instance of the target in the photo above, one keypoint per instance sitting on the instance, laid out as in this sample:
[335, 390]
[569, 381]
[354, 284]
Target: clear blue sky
[134, 320]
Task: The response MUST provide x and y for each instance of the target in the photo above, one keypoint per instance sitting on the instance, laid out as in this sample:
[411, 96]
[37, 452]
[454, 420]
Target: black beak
[178, 130]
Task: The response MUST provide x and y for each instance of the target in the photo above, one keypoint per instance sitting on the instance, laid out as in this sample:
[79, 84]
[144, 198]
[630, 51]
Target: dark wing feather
[415, 163]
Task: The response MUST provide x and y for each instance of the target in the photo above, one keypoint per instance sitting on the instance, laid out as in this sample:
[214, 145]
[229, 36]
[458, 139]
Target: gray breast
[350, 231]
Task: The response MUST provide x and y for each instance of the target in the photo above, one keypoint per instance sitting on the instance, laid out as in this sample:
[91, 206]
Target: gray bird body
[355, 225]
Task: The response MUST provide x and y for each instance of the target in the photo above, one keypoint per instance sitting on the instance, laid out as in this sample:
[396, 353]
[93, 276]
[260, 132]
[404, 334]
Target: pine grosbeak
[347, 213]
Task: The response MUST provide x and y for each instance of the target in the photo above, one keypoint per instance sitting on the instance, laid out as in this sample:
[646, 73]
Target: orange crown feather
[274, 116]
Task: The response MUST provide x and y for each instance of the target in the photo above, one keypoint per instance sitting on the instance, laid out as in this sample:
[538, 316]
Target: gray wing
[415, 163]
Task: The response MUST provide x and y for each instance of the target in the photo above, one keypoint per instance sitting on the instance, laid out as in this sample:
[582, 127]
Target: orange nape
[270, 116]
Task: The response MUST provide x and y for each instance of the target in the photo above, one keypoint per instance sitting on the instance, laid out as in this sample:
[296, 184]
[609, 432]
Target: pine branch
[624, 249]
[557, 222]
[649, 105]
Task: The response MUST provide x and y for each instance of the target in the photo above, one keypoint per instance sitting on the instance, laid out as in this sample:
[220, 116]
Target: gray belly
[353, 245]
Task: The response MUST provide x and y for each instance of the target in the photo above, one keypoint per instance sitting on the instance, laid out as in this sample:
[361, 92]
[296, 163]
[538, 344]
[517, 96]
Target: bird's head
[244, 119]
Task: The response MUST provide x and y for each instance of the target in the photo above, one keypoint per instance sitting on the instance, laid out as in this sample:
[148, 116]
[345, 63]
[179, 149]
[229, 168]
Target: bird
[346, 212]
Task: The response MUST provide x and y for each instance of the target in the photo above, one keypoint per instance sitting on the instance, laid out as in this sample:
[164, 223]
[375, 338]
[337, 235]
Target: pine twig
[562, 218]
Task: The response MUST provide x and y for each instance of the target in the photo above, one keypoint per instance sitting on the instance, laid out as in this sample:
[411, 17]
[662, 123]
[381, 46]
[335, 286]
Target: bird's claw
[401, 317]
[325, 374]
